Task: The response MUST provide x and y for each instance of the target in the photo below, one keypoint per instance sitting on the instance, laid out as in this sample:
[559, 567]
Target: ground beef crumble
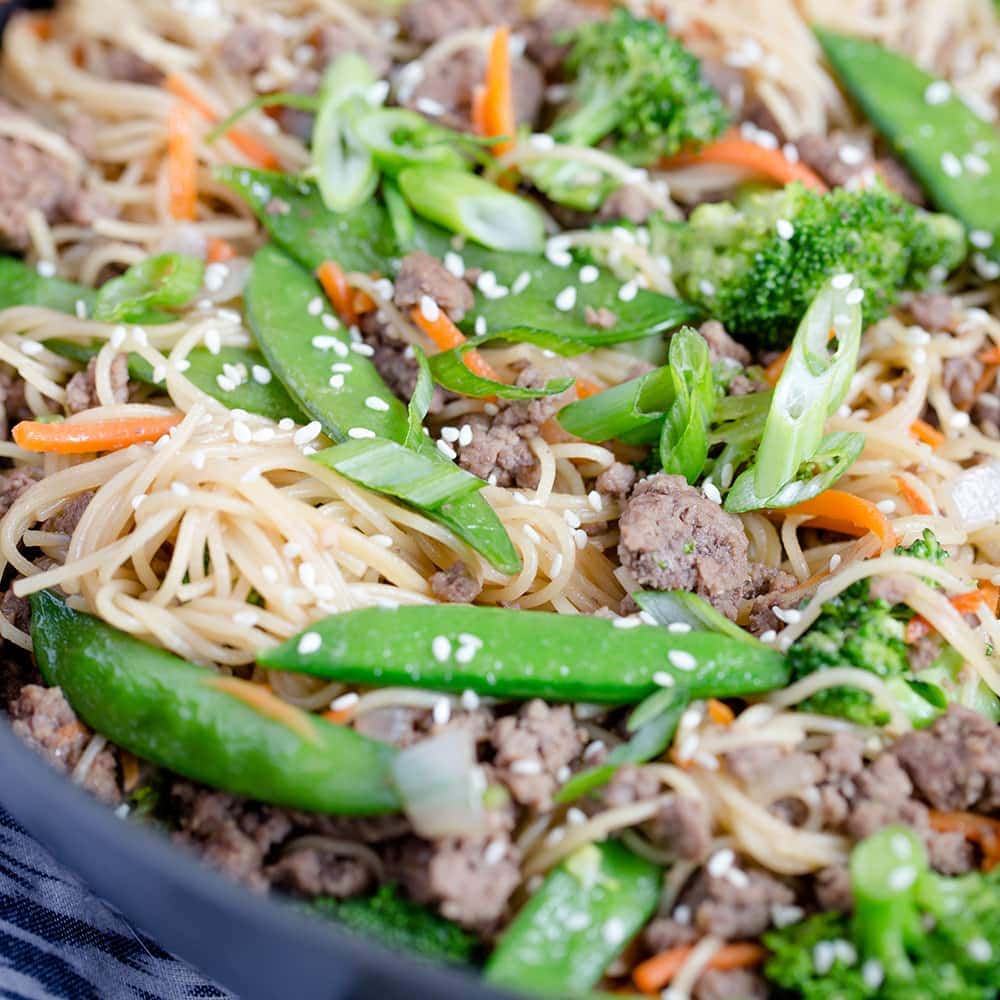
[422, 275]
[455, 585]
[81, 390]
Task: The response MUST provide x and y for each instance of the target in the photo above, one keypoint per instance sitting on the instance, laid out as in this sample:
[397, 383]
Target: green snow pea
[195, 722]
[167, 281]
[21, 285]
[578, 922]
[527, 654]
[953, 152]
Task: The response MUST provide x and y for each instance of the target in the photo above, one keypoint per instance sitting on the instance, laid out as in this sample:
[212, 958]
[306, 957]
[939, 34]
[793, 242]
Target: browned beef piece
[68, 516]
[742, 385]
[630, 784]
[296, 121]
[450, 87]
[14, 482]
[900, 180]
[313, 871]
[531, 747]
[428, 20]
[455, 585]
[33, 180]
[735, 910]
[561, 17]
[731, 984]
[421, 274]
[765, 590]
[14, 405]
[126, 66]
[933, 310]
[81, 390]
[45, 721]
[833, 888]
[955, 763]
[616, 480]
[674, 538]
[499, 450]
[470, 879]
[601, 319]
[247, 48]
[683, 826]
[394, 361]
[664, 933]
[630, 203]
[232, 835]
[399, 725]
[961, 377]
[17, 610]
[721, 344]
[334, 40]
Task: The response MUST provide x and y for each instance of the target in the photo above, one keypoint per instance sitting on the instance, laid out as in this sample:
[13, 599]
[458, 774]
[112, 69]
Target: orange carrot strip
[773, 371]
[656, 972]
[446, 335]
[916, 629]
[362, 302]
[498, 103]
[979, 829]
[965, 604]
[479, 109]
[251, 147]
[338, 291]
[844, 512]
[219, 250]
[338, 718]
[917, 503]
[733, 150]
[990, 356]
[923, 431]
[98, 435]
[182, 164]
[585, 388]
[719, 712]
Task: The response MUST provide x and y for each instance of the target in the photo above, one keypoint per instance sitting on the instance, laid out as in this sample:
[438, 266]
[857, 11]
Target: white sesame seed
[429, 107]
[595, 500]
[787, 615]
[937, 92]
[336, 381]
[887, 506]
[429, 309]
[628, 291]
[823, 957]
[706, 287]
[469, 700]
[441, 648]
[441, 713]
[902, 878]
[526, 767]
[310, 642]
[454, 264]
[664, 680]
[580, 538]
[613, 931]
[872, 973]
[951, 164]
[571, 519]
[365, 350]
[566, 299]
[682, 659]
[360, 433]
[377, 403]
[679, 628]
[180, 489]
[241, 432]
[480, 326]
[304, 435]
[981, 238]
[465, 435]
[790, 152]
[835, 561]
[315, 306]
[589, 274]
[959, 420]
[711, 491]
[784, 915]
[720, 862]
[769, 636]
[521, 282]
[213, 341]
[842, 281]
[632, 621]
[979, 949]
[446, 449]
[785, 229]
[854, 296]
[851, 155]
[593, 749]
[450, 434]
[975, 164]
[46, 268]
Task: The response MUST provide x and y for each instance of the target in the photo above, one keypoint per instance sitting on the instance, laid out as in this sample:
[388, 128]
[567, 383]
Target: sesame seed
[494, 852]
[580, 538]
[784, 915]
[359, 433]
[851, 155]
[450, 434]
[835, 561]
[454, 264]
[613, 931]
[441, 648]
[589, 274]
[480, 326]
[823, 957]
[241, 432]
[854, 296]
[937, 92]
[769, 636]
[842, 281]
[325, 343]
[341, 366]
[345, 701]
[593, 749]
[304, 435]
[180, 489]
[975, 164]
[566, 299]
[46, 268]
[790, 152]
[711, 491]
[787, 615]
[720, 862]
[429, 309]
[336, 381]
[441, 713]
[526, 767]
[682, 659]
[365, 350]
[679, 628]
[557, 252]
[981, 238]
[951, 164]
[309, 643]
[595, 500]
[979, 949]
[628, 291]
[521, 282]
[902, 878]
[630, 622]
[31, 347]
[215, 276]
[706, 287]
[377, 403]
[213, 341]
[785, 229]
[662, 679]
[872, 972]
[571, 519]
[315, 306]
[469, 700]
[446, 449]
[887, 506]
[959, 420]
[429, 107]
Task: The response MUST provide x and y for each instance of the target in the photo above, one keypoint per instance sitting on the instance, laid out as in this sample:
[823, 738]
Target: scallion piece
[671, 607]
[466, 204]
[420, 402]
[167, 281]
[399, 138]
[281, 99]
[684, 438]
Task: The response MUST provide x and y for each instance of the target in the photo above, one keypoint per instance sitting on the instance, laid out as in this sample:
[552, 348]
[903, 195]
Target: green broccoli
[914, 935]
[400, 924]
[758, 276]
[855, 629]
[638, 92]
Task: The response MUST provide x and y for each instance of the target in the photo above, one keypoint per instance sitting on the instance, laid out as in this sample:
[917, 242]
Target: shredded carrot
[981, 830]
[479, 109]
[848, 514]
[362, 302]
[585, 388]
[182, 164]
[339, 717]
[733, 150]
[446, 335]
[656, 972]
[773, 371]
[219, 250]
[338, 291]
[263, 700]
[98, 435]
[990, 356]
[498, 102]
[917, 503]
[719, 712]
[923, 431]
[252, 148]
[965, 604]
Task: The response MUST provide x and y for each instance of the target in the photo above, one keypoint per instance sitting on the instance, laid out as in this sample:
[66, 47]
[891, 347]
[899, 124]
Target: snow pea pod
[576, 924]
[526, 654]
[953, 152]
[227, 733]
[21, 285]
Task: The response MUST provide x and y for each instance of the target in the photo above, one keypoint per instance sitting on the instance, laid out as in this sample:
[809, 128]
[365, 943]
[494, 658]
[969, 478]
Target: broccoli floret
[730, 258]
[637, 91]
[401, 924]
[855, 629]
[913, 935]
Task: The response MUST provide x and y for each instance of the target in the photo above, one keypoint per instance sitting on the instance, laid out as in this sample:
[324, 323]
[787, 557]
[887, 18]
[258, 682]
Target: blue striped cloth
[58, 941]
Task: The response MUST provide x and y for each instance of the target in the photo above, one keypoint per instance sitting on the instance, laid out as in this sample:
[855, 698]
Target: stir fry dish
[521, 481]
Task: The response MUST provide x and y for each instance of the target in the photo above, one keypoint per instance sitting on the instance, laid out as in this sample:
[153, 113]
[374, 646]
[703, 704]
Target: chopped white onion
[442, 785]
[973, 496]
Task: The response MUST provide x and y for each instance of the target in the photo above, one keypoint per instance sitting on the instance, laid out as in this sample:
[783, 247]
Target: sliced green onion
[466, 204]
[632, 410]
[400, 216]
[167, 281]
[834, 456]
[684, 437]
[420, 401]
[399, 138]
[673, 607]
[812, 386]
[284, 99]
[342, 165]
